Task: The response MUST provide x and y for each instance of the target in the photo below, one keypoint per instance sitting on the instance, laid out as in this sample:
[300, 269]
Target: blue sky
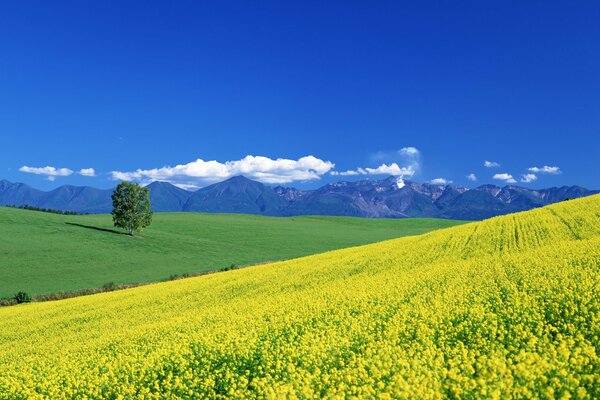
[348, 88]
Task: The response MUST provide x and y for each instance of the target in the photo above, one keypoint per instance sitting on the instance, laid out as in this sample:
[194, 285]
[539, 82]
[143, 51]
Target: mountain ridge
[386, 198]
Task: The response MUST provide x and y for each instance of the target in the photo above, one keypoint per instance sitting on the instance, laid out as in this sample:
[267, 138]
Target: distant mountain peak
[159, 183]
[390, 197]
[239, 178]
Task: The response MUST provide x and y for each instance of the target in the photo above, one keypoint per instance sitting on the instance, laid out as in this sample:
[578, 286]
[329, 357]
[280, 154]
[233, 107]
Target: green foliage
[174, 277]
[109, 286]
[229, 268]
[22, 297]
[131, 207]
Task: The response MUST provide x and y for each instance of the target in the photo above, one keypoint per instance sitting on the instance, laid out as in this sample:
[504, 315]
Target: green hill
[46, 253]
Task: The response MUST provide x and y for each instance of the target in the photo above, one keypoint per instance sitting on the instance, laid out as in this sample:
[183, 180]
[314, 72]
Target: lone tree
[131, 207]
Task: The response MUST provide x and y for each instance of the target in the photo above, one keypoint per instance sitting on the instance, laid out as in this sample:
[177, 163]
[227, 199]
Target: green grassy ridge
[44, 253]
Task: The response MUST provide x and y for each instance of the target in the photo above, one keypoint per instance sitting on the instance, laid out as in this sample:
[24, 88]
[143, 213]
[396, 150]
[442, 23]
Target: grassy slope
[503, 308]
[43, 253]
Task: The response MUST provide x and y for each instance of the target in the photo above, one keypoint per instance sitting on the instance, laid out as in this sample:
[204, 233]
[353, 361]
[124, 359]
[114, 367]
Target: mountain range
[387, 198]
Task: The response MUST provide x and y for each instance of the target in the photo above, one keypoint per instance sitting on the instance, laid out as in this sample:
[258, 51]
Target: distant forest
[47, 210]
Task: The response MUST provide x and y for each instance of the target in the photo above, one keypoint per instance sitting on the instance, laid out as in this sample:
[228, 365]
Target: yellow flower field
[503, 308]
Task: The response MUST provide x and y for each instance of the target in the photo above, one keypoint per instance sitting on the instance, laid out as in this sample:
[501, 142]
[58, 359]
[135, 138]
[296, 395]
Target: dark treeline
[48, 210]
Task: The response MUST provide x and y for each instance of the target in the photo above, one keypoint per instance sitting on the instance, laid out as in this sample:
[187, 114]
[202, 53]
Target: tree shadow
[95, 228]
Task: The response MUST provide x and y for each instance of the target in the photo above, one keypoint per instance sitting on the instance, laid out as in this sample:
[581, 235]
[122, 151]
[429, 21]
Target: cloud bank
[200, 172]
[50, 172]
[410, 156]
[546, 170]
[384, 169]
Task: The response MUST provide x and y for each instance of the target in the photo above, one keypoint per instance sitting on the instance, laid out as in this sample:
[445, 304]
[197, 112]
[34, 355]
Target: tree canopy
[131, 207]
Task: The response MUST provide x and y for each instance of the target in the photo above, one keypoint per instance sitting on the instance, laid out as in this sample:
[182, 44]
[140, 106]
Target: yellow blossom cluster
[503, 308]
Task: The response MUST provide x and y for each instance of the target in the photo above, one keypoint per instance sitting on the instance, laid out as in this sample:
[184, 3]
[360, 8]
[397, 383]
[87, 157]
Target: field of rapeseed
[504, 308]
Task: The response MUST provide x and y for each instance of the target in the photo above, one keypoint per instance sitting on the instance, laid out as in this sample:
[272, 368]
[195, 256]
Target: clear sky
[426, 90]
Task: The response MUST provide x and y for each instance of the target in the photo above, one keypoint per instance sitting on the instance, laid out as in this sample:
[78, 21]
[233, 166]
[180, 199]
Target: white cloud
[343, 173]
[528, 178]
[472, 177]
[409, 157]
[350, 172]
[490, 164]
[404, 154]
[391, 169]
[263, 169]
[384, 169]
[546, 170]
[50, 172]
[440, 181]
[508, 178]
[87, 172]
[409, 151]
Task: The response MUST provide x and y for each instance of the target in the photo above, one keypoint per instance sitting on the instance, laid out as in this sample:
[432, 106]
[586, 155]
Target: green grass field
[47, 253]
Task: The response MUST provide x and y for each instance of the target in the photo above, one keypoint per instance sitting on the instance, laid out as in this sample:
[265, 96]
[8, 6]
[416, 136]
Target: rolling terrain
[503, 308]
[47, 253]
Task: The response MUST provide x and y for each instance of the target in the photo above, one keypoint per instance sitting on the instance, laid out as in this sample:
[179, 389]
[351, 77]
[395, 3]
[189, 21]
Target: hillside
[503, 308]
[386, 198]
[47, 253]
